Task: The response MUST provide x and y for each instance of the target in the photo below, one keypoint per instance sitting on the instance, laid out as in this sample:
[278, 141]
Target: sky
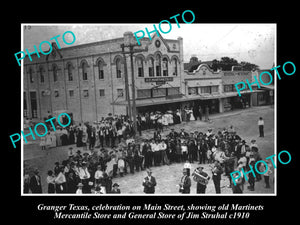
[254, 43]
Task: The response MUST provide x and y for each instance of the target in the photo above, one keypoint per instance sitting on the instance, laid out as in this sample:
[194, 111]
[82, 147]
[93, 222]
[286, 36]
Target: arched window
[140, 66]
[42, 77]
[151, 67]
[119, 67]
[70, 74]
[100, 70]
[165, 67]
[54, 73]
[84, 71]
[31, 75]
[158, 65]
[175, 67]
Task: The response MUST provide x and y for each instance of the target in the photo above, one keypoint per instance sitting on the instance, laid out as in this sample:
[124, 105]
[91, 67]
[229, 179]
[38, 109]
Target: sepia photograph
[106, 111]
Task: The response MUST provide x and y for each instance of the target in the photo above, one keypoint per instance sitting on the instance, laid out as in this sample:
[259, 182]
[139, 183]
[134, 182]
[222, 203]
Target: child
[43, 143]
[115, 189]
[267, 174]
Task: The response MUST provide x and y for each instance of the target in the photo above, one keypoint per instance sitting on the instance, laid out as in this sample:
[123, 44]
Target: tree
[226, 64]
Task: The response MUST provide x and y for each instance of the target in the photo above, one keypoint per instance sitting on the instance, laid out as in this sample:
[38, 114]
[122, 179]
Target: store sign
[158, 79]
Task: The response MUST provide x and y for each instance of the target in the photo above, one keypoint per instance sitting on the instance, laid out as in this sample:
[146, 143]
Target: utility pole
[133, 90]
[126, 83]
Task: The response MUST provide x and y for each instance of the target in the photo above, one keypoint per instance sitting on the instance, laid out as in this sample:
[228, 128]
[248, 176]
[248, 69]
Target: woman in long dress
[192, 118]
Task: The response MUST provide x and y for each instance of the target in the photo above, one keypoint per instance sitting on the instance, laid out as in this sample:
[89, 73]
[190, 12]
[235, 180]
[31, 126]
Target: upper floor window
[70, 72]
[84, 71]
[100, 70]
[55, 73]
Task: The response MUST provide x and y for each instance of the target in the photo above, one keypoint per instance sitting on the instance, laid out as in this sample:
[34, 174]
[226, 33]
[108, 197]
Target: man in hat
[217, 171]
[173, 134]
[35, 182]
[115, 189]
[84, 176]
[201, 184]
[149, 183]
[185, 182]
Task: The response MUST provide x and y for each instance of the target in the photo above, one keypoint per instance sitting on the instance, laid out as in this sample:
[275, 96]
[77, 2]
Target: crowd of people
[110, 130]
[92, 171]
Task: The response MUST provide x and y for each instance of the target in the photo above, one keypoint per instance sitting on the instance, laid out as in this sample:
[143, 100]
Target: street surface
[168, 177]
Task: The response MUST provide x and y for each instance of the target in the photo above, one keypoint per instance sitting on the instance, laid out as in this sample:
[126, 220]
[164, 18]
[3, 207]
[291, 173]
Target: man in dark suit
[35, 183]
[185, 182]
[216, 176]
[149, 183]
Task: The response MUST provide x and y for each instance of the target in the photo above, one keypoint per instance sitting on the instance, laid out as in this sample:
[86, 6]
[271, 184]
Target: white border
[145, 195]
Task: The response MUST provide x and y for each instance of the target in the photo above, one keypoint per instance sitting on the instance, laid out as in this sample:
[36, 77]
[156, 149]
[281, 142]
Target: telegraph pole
[126, 83]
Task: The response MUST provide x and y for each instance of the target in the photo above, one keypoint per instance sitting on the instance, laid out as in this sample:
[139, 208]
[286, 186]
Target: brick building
[88, 80]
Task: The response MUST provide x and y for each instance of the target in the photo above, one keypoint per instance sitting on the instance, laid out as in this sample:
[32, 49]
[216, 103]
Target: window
[42, 77]
[84, 71]
[173, 91]
[31, 75]
[100, 70]
[214, 89]
[140, 67]
[56, 94]
[71, 93]
[102, 92]
[159, 92]
[144, 93]
[192, 90]
[228, 88]
[118, 68]
[206, 89]
[120, 93]
[175, 67]
[151, 67]
[70, 75]
[85, 93]
[158, 66]
[165, 67]
[25, 112]
[54, 73]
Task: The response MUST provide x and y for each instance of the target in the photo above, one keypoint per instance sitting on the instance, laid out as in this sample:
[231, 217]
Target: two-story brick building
[88, 80]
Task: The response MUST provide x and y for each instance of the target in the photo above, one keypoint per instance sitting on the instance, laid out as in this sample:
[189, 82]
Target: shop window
[206, 89]
[144, 93]
[174, 91]
[214, 89]
[159, 92]
[192, 90]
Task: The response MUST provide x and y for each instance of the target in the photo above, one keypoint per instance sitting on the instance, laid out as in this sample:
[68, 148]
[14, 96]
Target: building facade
[89, 81]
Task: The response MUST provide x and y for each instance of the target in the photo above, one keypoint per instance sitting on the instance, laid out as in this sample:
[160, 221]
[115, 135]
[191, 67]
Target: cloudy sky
[254, 43]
